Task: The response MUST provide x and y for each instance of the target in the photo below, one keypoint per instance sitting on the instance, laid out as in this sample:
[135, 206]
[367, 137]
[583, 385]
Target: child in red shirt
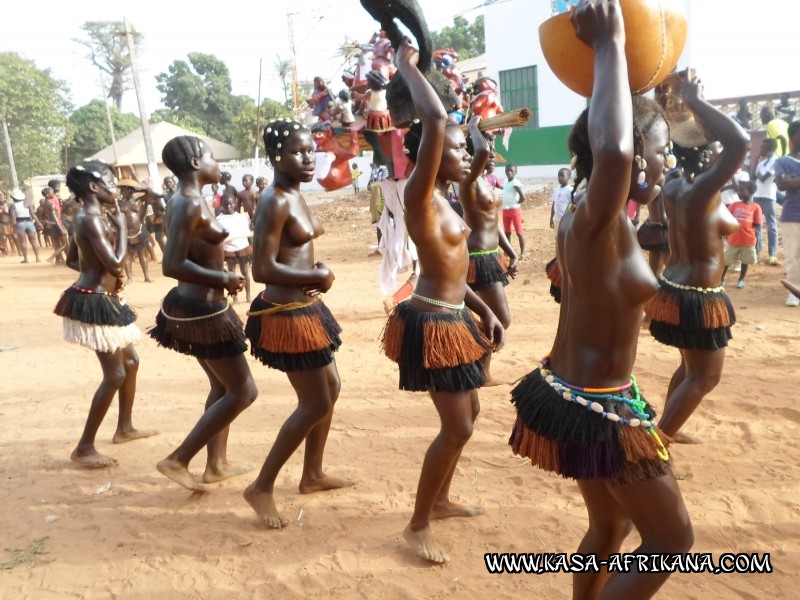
[742, 244]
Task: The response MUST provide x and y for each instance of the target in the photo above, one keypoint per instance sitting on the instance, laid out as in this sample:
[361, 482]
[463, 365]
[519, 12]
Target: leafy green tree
[245, 136]
[36, 106]
[200, 91]
[465, 38]
[89, 131]
[189, 122]
[108, 50]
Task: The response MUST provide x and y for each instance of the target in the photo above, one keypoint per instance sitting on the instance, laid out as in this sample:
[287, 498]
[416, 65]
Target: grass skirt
[554, 275]
[486, 269]
[245, 255]
[292, 337]
[437, 352]
[101, 322]
[653, 237]
[212, 331]
[689, 318]
[565, 438]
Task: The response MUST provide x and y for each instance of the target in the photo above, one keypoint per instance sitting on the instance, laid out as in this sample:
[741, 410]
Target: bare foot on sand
[321, 484]
[223, 472]
[93, 460]
[491, 381]
[120, 437]
[423, 544]
[683, 438]
[179, 474]
[446, 510]
[264, 505]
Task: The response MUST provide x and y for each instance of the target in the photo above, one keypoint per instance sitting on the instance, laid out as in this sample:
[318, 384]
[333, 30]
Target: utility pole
[108, 115]
[152, 166]
[295, 87]
[10, 154]
[258, 117]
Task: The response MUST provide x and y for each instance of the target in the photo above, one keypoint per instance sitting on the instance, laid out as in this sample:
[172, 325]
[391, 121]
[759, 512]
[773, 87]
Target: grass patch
[34, 552]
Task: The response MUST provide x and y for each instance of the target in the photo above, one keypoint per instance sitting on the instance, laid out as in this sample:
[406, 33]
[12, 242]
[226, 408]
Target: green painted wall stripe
[541, 146]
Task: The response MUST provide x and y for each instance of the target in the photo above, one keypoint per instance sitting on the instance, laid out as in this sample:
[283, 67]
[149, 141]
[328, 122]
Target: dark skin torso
[481, 214]
[94, 238]
[246, 200]
[134, 211]
[192, 225]
[284, 244]
[696, 229]
[610, 276]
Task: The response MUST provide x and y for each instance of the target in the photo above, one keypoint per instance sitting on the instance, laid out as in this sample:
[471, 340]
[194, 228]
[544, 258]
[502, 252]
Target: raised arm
[481, 151]
[599, 24]
[718, 126]
[431, 113]
[272, 214]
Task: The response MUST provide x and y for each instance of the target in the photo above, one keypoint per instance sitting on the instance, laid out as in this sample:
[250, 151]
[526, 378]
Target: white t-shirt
[510, 194]
[238, 226]
[766, 188]
[561, 198]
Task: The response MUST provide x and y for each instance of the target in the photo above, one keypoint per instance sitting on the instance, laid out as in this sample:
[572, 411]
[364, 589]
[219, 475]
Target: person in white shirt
[513, 196]
[238, 250]
[765, 197]
[561, 198]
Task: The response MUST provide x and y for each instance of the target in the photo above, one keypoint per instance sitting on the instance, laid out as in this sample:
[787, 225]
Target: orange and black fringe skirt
[554, 275]
[653, 237]
[245, 254]
[198, 328]
[562, 437]
[292, 337]
[486, 269]
[691, 318]
[378, 120]
[436, 352]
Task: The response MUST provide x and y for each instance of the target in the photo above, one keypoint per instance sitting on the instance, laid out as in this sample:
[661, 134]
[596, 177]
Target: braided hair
[178, 153]
[275, 134]
[413, 137]
[81, 175]
[646, 113]
[692, 161]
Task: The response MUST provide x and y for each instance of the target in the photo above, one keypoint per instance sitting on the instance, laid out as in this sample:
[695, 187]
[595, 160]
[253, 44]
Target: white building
[722, 44]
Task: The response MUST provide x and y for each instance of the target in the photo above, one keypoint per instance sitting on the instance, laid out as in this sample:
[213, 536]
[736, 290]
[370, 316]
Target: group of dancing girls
[580, 414]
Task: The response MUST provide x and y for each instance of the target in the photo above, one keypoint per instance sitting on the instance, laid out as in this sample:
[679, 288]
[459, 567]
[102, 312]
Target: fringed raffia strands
[653, 236]
[93, 309]
[472, 270]
[293, 332]
[553, 272]
[664, 307]
[448, 344]
[392, 337]
[718, 312]
[542, 452]
[100, 338]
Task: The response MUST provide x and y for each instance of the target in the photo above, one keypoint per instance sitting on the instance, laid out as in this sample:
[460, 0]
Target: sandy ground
[128, 532]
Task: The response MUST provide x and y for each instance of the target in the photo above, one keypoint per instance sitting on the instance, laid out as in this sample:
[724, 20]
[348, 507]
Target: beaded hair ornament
[276, 132]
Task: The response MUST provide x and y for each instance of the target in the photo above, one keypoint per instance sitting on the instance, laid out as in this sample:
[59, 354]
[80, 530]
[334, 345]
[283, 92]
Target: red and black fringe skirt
[378, 120]
[291, 337]
[198, 328]
[653, 236]
[486, 269]
[99, 321]
[563, 437]
[437, 352]
[686, 317]
[554, 275]
[246, 254]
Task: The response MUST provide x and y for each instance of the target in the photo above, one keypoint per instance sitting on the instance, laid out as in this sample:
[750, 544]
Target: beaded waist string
[440, 303]
[484, 252]
[588, 398]
[702, 290]
[198, 318]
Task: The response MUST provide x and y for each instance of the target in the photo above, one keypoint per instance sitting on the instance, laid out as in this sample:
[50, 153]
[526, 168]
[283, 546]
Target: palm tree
[283, 68]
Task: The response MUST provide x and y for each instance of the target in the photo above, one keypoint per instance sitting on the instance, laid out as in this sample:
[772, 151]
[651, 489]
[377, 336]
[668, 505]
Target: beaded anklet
[436, 302]
[585, 397]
